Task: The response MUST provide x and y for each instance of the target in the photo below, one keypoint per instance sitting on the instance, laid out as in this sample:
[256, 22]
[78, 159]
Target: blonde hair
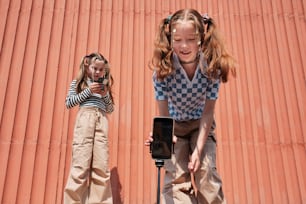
[220, 62]
[83, 76]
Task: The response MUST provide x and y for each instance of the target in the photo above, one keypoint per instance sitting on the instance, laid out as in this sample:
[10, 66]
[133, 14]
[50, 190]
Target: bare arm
[163, 108]
[205, 125]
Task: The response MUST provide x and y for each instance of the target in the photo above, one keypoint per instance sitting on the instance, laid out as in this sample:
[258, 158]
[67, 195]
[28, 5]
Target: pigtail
[81, 83]
[220, 62]
[110, 83]
[161, 60]
[107, 74]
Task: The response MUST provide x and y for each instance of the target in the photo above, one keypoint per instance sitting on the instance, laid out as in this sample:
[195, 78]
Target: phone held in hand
[163, 128]
[103, 81]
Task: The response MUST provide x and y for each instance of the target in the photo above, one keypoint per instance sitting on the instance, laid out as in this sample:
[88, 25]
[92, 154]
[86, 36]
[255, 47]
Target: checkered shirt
[186, 99]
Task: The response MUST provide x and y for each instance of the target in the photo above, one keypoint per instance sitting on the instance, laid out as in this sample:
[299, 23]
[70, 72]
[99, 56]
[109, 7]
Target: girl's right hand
[95, 87]
[149, 140]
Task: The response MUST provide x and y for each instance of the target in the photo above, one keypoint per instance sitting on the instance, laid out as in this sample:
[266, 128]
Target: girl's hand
[149, 140]
[194, 163]
[103, 91]
[95, 87]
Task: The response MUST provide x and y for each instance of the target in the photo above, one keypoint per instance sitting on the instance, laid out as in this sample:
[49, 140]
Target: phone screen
[162, 137]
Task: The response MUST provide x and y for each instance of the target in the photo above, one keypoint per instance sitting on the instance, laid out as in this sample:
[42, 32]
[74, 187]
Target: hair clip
[168, 19]
[206, 18]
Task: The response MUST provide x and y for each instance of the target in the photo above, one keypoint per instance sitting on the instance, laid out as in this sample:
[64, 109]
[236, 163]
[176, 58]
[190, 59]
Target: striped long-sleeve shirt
[87, 99]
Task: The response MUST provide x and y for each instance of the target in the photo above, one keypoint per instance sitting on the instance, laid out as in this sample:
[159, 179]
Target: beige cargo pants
[89, 177]
[178, 188]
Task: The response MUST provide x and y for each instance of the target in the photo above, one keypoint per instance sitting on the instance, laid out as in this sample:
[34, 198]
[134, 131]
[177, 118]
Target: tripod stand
[161, 145]
[158, 163]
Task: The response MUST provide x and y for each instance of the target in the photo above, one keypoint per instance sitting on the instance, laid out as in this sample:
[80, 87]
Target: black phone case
[161, 147]
[103, 81]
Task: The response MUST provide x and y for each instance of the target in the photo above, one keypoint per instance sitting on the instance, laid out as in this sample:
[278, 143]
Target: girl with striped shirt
[89, 176]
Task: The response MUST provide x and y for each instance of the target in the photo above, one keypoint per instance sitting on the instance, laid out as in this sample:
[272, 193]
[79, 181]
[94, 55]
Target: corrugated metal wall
[260, 115]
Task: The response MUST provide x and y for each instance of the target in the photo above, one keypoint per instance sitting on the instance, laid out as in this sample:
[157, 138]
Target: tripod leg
[158, 186]
[159, 163]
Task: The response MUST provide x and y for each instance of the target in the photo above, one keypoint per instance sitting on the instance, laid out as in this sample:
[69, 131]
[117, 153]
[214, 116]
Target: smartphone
[103, 81]
[163, 128]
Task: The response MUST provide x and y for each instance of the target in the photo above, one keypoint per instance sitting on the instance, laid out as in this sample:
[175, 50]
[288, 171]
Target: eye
[191, 39]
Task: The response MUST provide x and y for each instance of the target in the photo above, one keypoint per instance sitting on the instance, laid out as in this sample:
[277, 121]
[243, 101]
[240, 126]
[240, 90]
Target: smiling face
[185, 41]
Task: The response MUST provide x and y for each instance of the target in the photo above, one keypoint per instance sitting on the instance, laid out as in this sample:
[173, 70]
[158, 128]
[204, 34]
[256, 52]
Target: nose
[184, 43]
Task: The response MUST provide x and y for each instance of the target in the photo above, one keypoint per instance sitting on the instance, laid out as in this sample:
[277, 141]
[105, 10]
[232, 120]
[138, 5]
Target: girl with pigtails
[189, 63]
[89, 176]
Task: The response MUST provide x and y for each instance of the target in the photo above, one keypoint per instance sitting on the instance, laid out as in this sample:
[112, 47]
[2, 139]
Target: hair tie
[206, 18]
[168, 19]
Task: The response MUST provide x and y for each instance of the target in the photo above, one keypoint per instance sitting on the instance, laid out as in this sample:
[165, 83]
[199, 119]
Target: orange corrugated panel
[260, 115]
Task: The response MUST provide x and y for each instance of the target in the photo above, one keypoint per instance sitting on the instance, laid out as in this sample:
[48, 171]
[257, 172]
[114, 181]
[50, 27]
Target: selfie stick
[159, 163]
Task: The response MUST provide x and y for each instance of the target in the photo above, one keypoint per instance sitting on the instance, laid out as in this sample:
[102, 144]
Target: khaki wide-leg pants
[89, 177]
[178, 187]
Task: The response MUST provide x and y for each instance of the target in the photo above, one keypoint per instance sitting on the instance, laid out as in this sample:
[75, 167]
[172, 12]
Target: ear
[86, 61]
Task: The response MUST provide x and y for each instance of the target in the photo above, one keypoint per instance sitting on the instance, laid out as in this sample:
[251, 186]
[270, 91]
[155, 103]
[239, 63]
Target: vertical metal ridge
[13, 140]
[23, 106]
[7, 113]
[54, 94]
[291, 174]
[41, 93]
[128, 96]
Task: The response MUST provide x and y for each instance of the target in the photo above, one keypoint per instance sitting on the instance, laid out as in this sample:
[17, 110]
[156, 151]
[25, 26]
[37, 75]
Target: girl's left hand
[149, 140]
[104, 91]
[194, 163]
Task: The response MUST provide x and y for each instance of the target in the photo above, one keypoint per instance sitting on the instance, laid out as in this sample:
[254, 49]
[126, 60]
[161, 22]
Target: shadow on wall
[116, 186]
